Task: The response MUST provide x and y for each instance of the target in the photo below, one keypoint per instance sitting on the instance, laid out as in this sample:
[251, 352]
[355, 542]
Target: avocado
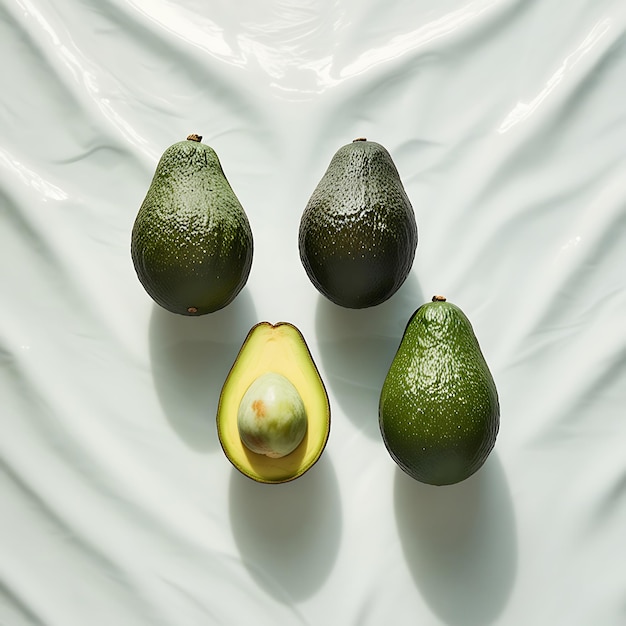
[358, 234]
[273, 416]
[439, 411]
[191, 242]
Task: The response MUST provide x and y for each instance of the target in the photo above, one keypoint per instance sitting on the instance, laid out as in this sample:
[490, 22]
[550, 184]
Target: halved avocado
[279, 349]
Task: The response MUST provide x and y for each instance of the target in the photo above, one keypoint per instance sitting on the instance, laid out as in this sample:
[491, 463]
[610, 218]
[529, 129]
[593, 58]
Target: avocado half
[281, 349]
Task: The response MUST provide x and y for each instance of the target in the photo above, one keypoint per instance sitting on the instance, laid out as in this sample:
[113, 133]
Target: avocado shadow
[190, 359]
[357, 347]
[288, 534]
[460, 543]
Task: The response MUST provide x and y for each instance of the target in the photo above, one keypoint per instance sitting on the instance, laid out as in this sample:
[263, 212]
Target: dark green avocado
[439, 410]
[191, 242]
[358, 233]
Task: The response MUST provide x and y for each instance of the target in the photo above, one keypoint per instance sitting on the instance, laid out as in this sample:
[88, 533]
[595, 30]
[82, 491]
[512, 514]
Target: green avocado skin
[439, 411]
[191, 242]
[358, 233]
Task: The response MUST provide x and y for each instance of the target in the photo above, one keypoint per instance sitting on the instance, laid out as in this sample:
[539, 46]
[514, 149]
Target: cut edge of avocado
[280, 348]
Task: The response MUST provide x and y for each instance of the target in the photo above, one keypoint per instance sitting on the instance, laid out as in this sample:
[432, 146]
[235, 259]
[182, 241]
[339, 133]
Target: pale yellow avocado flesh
[279, 348]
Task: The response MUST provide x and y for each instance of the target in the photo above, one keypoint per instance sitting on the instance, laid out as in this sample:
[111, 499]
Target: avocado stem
[439, 299]
[194, 137]
[359, 139]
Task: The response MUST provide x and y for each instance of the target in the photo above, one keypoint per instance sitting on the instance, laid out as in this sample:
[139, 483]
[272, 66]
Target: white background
[506, 120]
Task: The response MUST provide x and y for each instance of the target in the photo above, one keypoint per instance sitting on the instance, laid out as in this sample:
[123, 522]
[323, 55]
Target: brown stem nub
[194, 137]
[439, 298]
[359, 139]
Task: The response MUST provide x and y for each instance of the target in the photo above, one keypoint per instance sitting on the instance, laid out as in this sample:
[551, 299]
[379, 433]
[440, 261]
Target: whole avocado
[358, 233]
[439, 410]
[191, 242]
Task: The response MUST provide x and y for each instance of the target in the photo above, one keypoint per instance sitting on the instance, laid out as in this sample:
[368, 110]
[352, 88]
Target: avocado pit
[272, 419]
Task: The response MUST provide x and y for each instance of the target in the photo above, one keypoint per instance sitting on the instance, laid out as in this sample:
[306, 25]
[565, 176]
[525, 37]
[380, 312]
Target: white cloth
[506, 121]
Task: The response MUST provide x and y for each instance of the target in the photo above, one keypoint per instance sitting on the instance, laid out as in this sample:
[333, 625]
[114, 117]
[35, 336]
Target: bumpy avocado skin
[358, 233]
[439, 410]
[191, 242]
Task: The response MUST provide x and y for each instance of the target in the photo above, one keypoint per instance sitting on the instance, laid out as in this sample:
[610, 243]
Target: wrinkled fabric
[506, 121]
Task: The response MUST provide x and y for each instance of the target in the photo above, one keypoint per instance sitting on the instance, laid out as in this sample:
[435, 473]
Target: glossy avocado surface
[358, 234]
[439, 410]
[191, 242]
[277, 349]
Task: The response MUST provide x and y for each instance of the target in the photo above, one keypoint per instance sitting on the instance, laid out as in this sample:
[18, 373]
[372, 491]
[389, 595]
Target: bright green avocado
[358, 233]
[191, 242]
[273, 416]
[439, 411]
